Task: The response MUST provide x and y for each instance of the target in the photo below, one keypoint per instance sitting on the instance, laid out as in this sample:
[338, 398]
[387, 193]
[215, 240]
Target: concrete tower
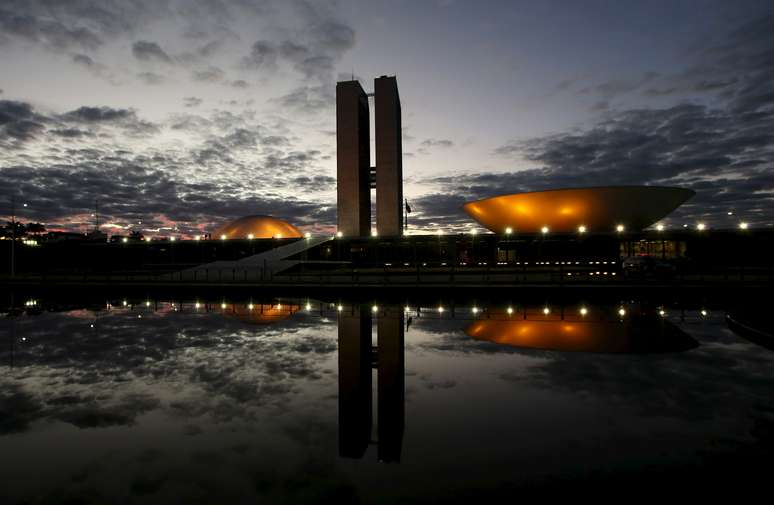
[389, 157]
[353, 160]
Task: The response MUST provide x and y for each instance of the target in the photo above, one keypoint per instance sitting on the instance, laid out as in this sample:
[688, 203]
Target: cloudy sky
[179, 114]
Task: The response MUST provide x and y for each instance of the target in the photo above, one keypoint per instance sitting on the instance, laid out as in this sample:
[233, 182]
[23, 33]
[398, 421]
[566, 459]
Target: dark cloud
[263, 55]
[239, 83]
[150, 51]
[308, 99]
[613, 88]
[82, 59]
[46, 31]
[90, 164]
[192, 101]
[322, 43]
[70, 133]
[315, 183]
[426, 145]
[18, 122]
[151, 78]
[211, 74]
[98, 114]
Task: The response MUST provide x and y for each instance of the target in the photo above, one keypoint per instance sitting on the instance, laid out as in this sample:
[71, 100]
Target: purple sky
[180, 114]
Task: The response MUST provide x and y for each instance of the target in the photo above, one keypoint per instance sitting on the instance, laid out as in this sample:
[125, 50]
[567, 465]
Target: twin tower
[355, 175]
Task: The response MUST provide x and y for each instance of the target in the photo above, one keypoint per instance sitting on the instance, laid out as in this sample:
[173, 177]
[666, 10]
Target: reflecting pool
[151, 400]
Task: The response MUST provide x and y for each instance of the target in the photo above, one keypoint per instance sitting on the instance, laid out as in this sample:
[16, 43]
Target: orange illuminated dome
[648, 336]
[599, 209]
[256, 227]
[260, 313]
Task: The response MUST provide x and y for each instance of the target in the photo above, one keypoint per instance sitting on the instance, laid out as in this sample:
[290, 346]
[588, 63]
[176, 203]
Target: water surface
[294, 401]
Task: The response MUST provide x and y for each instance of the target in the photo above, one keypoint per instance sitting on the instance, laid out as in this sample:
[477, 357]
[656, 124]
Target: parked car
[647, 266]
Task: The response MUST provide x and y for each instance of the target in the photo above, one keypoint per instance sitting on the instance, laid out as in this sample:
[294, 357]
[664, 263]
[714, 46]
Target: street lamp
[620, 228]
[544, 230]
[581, 229]
[743, 225]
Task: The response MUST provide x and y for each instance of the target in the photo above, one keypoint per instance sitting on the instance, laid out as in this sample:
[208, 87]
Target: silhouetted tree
[20, 229]
[35, 228]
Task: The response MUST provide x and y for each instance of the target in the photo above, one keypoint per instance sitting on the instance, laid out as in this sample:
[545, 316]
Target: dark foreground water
[299, 401]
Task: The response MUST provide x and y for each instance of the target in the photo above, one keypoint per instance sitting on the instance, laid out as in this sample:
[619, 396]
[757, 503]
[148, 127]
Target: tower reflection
[357, 358]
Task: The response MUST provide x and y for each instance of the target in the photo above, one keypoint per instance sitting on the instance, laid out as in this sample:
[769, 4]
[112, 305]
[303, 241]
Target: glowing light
[124, 240]
[250, 307]
[197, 305]
[339, 308]
[197, 237]
[475, 310]
[440, 310]
[703, 312]
[374, 233]
[339, 234]
[619, 228]
[139, 316]
[584, 311]
[509, 310]
[508, 230]
[307, 235]
[375, 308]
[544, 230]
[662, 313]
[546, 310]
[223, 237]
[622, 312]
[440, 232]
[407, 309]
[700, 226]
[473, 231]
[250, 236]
[730, 213]
[308, 306]
[743, 225]
[278, 235]
[660, 227]
[222, 305]
[91, 326]
[123, 303]
[147, 303]
[581, 229]
[171, 239]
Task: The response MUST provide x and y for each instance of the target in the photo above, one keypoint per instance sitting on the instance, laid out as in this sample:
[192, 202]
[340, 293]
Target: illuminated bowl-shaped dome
[599, 209]
[648, 336]
[258, 227]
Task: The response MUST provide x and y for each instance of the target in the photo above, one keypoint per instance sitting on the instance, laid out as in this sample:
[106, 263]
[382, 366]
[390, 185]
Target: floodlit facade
[256, 227]
[593, 210]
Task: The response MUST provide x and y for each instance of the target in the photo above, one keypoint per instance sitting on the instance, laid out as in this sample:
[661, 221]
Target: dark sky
[179, 114]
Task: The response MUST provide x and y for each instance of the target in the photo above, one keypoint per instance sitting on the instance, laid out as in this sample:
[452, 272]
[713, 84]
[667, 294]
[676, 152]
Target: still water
[302, 401]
